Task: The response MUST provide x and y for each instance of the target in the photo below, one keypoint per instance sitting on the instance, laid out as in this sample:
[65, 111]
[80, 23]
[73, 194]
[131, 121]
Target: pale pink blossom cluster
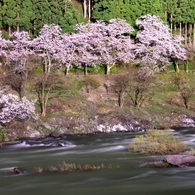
[11, 107]
[154, 47]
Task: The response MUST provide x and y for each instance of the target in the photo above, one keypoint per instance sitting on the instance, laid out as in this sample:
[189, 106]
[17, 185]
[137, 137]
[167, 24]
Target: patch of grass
[156, 122]
[182, 67]
[157, 142]
[70, 167]
[2, 132]
[116, 70]
[38, 71]
[90, 83]
[156, 108]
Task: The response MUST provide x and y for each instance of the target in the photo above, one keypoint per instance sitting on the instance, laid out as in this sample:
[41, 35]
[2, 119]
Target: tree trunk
[66, 70]
[176, 67]
[121, 97]
[194, 37]
[9, 31]
[165, 15]
[85, 8]
[186, 66]
[85, 70]
[43, 95]
[190, 35]
[89, 10]
[186, 33]
[107, 69]
[175, 27]
[18, 16]
[17, 26]
[44, 101]
[171, 25]
[186, 103]
[43, 111]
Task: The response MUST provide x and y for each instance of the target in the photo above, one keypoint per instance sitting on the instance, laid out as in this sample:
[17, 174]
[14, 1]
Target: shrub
[121, 85]
[140, 88]
[185, 86]
[11, 107]
[157, 142]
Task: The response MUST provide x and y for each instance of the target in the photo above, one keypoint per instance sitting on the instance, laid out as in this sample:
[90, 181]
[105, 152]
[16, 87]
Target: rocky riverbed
[57, 126]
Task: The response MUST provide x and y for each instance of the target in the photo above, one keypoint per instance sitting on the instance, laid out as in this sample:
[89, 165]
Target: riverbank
[83, 109]
[55, 127]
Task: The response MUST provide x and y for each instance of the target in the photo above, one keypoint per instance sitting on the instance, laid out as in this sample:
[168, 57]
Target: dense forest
[31, 15]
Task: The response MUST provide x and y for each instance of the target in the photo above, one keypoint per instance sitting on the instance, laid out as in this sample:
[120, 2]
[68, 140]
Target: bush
[185, 85]
[157, 142]
[11, 107]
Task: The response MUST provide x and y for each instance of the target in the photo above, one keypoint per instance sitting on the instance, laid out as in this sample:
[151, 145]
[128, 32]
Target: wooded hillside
[31, 15]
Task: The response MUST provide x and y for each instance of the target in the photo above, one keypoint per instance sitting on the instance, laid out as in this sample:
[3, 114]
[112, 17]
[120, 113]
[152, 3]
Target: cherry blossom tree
[85, 54]
[17, 58]
[119, 46]
[107, 42]
[11, 107]
[156, 47]
[65, 54]
[20, 50]
[75, 50]
[45, 47]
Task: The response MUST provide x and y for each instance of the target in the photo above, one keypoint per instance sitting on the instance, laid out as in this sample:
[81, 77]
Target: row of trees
[179, 14]
[153, 48]
[31, 15]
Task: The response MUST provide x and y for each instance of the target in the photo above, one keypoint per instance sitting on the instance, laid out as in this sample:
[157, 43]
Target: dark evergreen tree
[191, 12]
[101, 10]
[25, 15]
[1, 13]
[129, 10]
[134, 11]
[10, 10]
[42, 14]
[70, 16]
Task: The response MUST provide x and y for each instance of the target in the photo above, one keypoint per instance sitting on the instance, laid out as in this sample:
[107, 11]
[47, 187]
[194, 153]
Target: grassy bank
[83, 98]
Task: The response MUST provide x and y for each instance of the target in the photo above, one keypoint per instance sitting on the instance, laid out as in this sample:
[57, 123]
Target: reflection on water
[125, 172]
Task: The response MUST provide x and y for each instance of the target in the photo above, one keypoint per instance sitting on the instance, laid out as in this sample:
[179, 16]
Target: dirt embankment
[81, 108]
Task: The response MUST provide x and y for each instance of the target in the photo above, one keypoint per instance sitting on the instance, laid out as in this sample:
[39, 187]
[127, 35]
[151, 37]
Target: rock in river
[180, 160]
[18, 170]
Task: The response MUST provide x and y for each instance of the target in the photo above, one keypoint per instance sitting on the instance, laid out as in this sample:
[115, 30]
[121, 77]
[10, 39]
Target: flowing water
[124, 173]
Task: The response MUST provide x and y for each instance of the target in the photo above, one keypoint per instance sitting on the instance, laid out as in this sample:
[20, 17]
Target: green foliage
[116, 70]
[72, 88]
[5, 36]
[125, 9]
[38, 71]
[2, 132]
[31, 15]
[157, 142]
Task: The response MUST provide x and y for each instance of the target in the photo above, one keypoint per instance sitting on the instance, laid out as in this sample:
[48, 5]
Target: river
[124, 173]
